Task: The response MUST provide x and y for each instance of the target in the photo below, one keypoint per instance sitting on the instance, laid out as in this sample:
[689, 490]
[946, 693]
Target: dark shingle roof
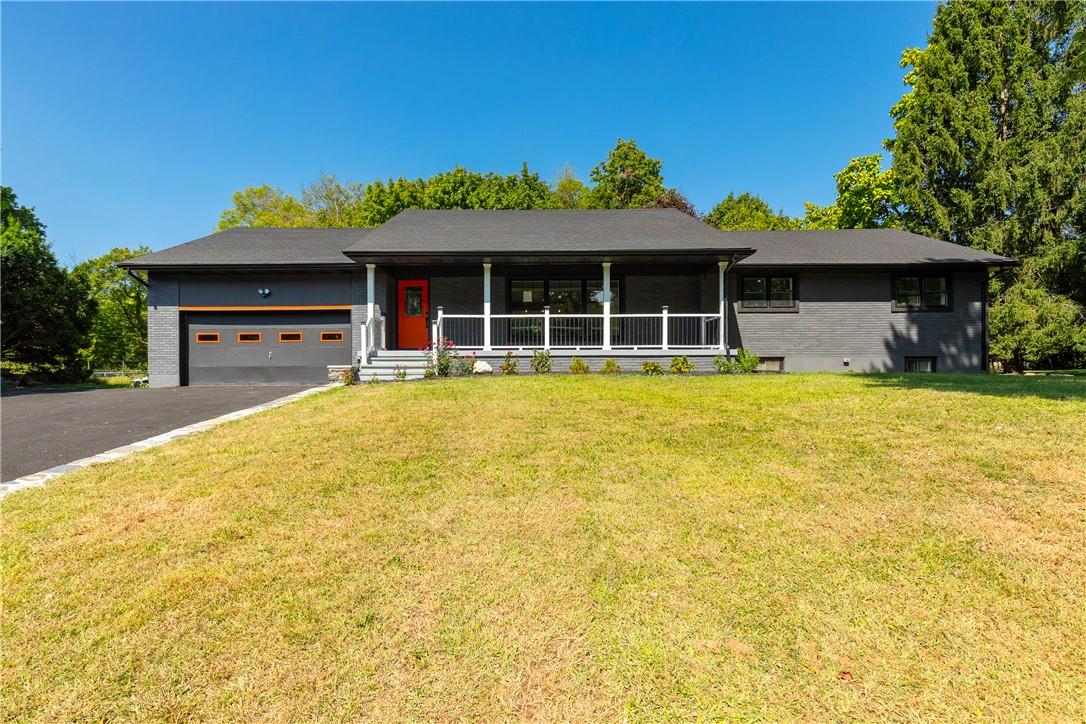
[859, 247]
[541, 232]
[248, 246]
[556, 232]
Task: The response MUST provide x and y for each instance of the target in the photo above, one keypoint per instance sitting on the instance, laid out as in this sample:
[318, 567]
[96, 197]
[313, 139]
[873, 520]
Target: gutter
[135, 276]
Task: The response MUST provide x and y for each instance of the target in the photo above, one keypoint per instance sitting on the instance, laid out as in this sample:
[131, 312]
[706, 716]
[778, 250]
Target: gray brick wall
[645, 294]
[163, 331]
[848, 314]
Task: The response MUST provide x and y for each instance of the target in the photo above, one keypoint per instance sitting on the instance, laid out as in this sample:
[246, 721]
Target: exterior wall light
[264, 292]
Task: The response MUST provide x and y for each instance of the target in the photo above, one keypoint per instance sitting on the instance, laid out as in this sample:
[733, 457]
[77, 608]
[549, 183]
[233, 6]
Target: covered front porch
[626, 307]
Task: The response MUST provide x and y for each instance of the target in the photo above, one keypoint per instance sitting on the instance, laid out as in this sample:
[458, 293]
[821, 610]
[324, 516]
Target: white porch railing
[373, 338]
[661, 331]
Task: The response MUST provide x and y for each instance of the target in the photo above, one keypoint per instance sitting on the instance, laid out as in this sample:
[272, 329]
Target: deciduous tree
[118, 334]
[746, 212]
[628, 177]
[45, 311]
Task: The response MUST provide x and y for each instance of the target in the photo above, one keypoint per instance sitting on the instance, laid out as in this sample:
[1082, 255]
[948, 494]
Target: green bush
[745, 362]
[748, 361]
[651, 368]
[578, 367]
[680, 365]
[610, 367]
[465, 364]
[509, 365]
[541, 361]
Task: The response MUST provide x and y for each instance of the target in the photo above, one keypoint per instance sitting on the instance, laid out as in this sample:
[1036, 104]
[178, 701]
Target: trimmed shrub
[509, 365]
[680, 365]
[610, 367]
[578, 367]
[541, 361]
[651, 368]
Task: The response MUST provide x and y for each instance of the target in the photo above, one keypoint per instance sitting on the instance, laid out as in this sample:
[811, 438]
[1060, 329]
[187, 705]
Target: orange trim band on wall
[294, 308]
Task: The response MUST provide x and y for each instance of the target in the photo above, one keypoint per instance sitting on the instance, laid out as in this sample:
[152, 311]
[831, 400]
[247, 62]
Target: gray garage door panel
[269, 361]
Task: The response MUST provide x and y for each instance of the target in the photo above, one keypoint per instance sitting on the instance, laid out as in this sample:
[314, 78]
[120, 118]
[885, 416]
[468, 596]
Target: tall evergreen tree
[990, 148]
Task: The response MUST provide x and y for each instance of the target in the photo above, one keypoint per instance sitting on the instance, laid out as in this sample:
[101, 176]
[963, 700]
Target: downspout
[986, 365]
[727, 309]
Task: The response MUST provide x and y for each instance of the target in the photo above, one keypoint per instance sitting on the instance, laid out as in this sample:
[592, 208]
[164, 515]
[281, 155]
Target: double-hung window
[921, 292]
[768, 293]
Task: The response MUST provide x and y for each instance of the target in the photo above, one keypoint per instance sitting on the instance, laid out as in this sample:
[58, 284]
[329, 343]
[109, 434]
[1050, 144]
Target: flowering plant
[440, 357]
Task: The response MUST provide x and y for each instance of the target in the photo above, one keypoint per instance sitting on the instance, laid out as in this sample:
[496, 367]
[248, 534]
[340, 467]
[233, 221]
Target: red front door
[414, 310]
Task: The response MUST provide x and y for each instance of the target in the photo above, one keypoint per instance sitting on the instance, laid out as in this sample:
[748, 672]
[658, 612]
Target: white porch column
[486, 306]
[371, 290]
[723, 307]
[607, 305]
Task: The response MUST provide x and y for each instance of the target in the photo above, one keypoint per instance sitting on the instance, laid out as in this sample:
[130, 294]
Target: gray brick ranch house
[265, 306]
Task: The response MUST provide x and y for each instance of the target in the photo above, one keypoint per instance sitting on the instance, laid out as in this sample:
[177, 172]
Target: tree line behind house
[58, 324]
[989, 151]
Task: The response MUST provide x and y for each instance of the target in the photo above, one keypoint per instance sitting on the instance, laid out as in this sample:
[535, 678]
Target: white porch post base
[547, 327]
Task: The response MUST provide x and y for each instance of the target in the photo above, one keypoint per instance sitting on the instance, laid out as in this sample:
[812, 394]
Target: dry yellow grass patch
[571, 548]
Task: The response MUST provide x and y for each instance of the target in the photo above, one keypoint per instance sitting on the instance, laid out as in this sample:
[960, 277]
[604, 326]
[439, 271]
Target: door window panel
[566, 296]
[528, 296]
[412, 301]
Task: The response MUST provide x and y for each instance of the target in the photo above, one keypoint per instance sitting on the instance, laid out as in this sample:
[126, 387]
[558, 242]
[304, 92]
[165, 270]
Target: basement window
[919, 364]
[290, 337]
[250, 337]
[331, 336]
[207, 338]
[771, 364]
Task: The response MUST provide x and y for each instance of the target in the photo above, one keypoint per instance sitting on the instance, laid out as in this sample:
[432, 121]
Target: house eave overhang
[861, 266]
[627, 256]
[345, 265]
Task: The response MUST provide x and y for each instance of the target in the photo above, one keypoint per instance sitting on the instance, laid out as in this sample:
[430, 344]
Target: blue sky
[129, 123]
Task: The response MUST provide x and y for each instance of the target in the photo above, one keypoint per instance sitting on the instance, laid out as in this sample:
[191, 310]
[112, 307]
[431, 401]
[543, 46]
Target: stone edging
[40, 478]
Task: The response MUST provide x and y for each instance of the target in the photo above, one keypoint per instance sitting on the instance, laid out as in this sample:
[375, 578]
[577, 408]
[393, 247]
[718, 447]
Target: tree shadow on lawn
[1048, 388]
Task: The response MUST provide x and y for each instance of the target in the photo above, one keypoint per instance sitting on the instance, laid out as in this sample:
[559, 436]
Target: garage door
[264, 348]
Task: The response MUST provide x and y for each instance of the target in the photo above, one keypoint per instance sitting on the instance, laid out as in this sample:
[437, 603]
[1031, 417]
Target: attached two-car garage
[263, 347]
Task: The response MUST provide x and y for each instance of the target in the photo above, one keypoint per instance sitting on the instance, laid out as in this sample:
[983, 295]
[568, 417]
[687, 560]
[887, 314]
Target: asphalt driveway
[41, 429]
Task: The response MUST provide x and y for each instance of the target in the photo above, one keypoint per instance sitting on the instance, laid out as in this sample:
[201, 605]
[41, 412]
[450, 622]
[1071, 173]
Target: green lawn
[775, 547]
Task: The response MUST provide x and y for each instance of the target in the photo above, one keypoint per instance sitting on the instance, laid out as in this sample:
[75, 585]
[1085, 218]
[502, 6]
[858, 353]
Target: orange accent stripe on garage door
[268, 308]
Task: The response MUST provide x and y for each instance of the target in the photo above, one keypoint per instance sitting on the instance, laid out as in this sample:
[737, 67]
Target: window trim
[258, 340]
[340, 337]
[913, 357]
[794, 309]
[216, 335]
[301, 337]
[922, 276]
